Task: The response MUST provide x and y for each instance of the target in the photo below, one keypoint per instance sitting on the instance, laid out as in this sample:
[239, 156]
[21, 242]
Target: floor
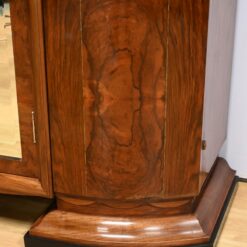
[17, 214]
[234, 232]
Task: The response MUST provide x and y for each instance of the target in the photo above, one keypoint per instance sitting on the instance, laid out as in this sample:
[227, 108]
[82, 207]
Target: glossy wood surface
[125, 208]
[65, 94]
[19, 185]
[187, 44]
[12, 228]
[214, 196]
[126, 82]
[158, 230]
[34, 167]
[107, 231]
[125, 89]
[124, 57]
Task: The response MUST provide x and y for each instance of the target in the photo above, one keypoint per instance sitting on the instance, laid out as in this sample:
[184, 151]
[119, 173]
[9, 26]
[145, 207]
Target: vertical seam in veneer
[166, 84]
[83, 111]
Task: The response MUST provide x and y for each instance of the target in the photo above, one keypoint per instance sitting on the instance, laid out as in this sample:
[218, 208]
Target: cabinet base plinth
[68, 229]
[32, 241]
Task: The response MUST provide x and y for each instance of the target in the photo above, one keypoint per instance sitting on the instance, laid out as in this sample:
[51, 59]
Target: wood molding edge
[214, 195]
[19, 185]
[40, 91]
[179, 230]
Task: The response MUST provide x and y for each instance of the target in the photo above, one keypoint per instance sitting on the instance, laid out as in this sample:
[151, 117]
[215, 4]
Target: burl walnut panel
[126, 87]
[124, 76]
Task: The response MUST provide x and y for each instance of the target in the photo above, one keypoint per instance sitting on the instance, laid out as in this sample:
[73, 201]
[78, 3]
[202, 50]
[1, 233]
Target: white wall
[235, 148]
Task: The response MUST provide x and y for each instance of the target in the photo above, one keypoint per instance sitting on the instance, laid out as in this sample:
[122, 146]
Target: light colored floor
[234, 233]
[17, 214]
[9, 119]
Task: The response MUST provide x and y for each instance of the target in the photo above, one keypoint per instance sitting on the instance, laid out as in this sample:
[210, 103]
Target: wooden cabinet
[133, 97]
[133, 93]
[29, 171]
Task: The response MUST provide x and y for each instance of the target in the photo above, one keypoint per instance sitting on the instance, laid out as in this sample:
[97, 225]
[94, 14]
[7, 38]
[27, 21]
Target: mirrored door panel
[10, 143]
[24, 134]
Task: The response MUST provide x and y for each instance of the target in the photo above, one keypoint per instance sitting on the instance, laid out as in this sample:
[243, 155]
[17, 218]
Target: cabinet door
[126, 85]
[24, 137]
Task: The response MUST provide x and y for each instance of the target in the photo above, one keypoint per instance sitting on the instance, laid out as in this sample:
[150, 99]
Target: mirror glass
[10, 144]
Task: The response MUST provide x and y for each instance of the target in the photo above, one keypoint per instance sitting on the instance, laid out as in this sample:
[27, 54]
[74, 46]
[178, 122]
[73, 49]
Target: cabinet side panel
[218, 77]
[65, 92]
[186, 77]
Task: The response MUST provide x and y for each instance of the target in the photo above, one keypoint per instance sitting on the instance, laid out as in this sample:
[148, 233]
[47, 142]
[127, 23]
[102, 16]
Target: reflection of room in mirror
[9, 119]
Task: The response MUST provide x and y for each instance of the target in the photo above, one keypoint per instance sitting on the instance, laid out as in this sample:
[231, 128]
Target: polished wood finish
[188, 26]
[19, 185]
[64, 69]
[17, 214]
[125, 94]
[214, 195]
[143, 207]
[158, 230]
[33, 171]
[125, 90]
[103, 231]
[124, 59]
[136, 72]
[40, 92]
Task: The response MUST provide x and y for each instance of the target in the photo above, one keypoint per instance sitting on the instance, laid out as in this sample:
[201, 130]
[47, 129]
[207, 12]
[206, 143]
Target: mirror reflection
[10, 144]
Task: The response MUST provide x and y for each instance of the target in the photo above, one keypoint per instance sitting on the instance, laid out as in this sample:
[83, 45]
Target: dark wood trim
[31, 241]
[164, 231]
[243, 180]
